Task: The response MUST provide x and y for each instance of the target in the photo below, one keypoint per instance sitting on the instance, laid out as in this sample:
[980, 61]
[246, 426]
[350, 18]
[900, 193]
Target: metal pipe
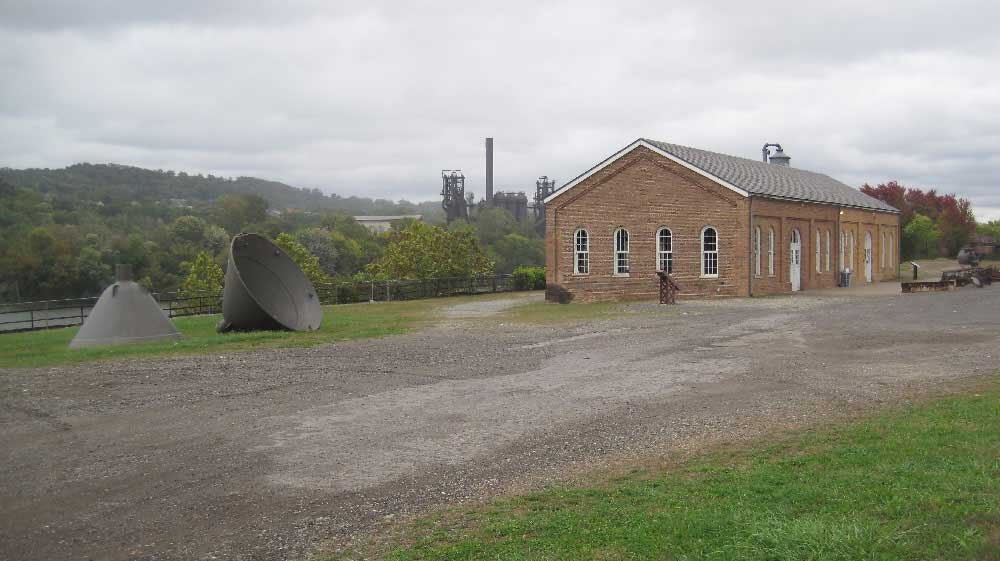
[764, 153]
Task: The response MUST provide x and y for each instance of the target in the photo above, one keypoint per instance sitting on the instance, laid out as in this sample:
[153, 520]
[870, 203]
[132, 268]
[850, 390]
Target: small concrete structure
[125, 313]
[380, 224]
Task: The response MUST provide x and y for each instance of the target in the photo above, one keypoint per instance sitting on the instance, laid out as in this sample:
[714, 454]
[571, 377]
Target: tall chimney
[489, 170]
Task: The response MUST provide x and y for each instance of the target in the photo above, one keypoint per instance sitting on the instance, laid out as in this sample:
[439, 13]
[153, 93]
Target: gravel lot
[269, 455]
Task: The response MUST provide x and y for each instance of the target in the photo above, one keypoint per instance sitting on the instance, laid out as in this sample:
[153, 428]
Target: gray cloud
[376, 99]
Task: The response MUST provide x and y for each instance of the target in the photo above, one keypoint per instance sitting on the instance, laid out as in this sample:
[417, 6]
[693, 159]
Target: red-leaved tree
[952, 215]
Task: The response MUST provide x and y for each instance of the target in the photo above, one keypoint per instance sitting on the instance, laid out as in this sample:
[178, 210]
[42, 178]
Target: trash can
[845, 279]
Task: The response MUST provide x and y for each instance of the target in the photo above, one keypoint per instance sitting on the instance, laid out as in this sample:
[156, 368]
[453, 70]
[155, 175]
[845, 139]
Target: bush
[528, 278]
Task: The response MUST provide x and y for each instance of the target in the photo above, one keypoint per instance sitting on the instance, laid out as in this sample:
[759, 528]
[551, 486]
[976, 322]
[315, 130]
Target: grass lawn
[916, 484]
[352, 321]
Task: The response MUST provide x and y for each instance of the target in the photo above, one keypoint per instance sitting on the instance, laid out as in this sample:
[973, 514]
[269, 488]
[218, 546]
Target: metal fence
[45, 314]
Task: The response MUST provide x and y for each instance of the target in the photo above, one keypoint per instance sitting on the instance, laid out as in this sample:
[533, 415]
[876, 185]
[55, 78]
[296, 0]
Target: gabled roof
[749, 177]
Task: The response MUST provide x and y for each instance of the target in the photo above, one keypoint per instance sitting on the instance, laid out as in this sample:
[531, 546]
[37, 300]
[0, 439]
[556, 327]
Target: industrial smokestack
[489, 170]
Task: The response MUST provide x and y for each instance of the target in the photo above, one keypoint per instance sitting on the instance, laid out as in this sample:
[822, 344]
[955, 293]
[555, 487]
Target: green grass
[917, 484]
[353, 321]
[547, 312]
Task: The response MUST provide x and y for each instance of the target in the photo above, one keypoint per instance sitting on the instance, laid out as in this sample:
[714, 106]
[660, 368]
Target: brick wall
[862, 222]
[643, 192]
[783, 217]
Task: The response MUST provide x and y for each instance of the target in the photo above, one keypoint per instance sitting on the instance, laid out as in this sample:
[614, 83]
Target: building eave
[625, 151]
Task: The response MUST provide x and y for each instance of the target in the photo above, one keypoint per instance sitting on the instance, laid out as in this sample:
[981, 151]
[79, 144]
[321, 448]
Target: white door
[868, 257]
[795, 253]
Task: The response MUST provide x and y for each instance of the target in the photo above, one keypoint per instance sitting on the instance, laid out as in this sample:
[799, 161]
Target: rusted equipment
[125, 313]
[978, 276]
[668, 288]
[968, 256]
[453, 199]
[928, 286]
[265, 289]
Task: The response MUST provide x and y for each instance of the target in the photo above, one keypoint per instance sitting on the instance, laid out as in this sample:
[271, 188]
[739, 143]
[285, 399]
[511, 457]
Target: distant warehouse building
[379, 224]
[721, 225]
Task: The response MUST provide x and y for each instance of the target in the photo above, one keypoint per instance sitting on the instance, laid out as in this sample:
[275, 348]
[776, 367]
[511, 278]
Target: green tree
[236, 212]
[920, 238]
[190, 229]
[319, 242]
[991, 228]
[93, 273]
[423, 251]
[204, 275]
[492, 224]
[514, 250]
[306, 261]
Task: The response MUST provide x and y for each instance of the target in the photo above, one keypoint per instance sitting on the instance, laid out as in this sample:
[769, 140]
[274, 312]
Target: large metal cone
[125, 313]
[265, 289]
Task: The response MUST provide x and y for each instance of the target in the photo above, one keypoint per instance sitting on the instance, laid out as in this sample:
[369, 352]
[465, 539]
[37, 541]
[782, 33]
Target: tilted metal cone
[125, 313]
[265, 289]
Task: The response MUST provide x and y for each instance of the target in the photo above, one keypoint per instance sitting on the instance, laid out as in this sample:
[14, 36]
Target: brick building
[721, 225]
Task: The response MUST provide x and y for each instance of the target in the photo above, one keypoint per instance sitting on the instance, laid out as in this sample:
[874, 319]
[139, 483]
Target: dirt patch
[268, 455]
[490, 306]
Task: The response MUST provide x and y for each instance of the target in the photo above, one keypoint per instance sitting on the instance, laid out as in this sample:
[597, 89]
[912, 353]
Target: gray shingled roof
[769, 180]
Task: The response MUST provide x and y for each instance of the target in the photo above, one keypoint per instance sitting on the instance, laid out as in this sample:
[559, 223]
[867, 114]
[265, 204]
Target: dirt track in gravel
[266, 455]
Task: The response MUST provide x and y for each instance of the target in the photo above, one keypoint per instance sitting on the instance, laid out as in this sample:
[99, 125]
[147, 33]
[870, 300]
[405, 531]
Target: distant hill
[113, 183]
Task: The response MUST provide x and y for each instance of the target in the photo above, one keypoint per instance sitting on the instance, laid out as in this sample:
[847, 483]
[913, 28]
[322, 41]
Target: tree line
[64, 230]
[932, 225]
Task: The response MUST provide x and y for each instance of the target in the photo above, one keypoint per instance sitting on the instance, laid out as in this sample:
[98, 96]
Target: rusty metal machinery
[968, 256]
[543, 188]
[453, 199]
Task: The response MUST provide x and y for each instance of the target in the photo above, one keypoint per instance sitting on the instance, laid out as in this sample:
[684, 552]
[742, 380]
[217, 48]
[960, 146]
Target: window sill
[709, 276]
[580, 275]
[621, 275]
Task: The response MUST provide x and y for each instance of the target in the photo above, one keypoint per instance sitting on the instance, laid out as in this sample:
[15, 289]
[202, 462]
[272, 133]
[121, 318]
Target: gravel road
[271, 454]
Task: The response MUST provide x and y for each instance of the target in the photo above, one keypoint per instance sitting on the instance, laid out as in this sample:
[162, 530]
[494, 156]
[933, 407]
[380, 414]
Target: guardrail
[47, 314]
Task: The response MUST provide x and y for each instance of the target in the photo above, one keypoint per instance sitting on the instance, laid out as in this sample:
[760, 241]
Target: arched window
[881, 252]
[770, 251]
[621, 251]
[892, 249]
[756, 252]
[664, 250]
[843, 243]
[828, 251]
[709, 252]
[818, 268]
[581, 248]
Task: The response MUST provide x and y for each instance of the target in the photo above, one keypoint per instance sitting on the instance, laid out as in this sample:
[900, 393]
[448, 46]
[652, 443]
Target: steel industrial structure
[457, 204]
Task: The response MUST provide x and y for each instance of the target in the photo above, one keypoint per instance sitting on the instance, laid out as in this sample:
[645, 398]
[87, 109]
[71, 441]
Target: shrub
[528, 278]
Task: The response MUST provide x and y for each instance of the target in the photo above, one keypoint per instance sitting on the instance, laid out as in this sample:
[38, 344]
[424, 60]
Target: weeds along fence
[46, 314]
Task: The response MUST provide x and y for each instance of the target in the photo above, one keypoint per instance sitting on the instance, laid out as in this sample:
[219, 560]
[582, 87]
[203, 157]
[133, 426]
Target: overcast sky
[374, 98]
